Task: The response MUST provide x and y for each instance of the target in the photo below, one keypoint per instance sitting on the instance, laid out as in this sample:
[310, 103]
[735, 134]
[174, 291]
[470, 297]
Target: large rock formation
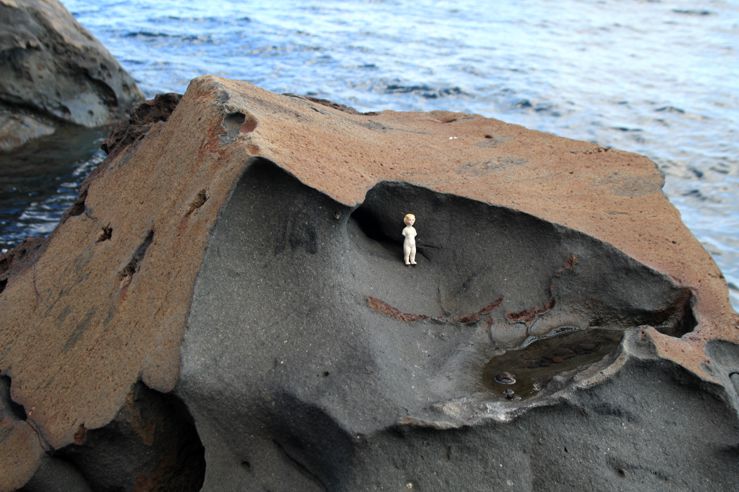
[55, 73]
[236, 269]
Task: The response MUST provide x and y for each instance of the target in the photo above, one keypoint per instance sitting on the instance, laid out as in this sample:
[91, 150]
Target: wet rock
[505, 378]
[254, 275]
[55, 73]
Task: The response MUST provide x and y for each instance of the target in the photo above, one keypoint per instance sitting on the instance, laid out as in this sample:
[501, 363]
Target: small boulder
[55, 73]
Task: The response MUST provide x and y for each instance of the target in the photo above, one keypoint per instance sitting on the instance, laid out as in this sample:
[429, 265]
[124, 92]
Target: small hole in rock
[3, 284]
[246, 464]
[198, 201]
[621, 472]
[105, 234]
[234, 119]
[326, 374]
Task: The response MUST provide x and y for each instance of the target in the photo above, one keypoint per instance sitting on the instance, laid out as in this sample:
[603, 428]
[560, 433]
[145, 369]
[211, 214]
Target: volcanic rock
[55, 73]
[237, 264]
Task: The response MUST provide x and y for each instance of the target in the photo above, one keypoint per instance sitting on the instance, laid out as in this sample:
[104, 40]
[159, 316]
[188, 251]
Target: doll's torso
[409, 232]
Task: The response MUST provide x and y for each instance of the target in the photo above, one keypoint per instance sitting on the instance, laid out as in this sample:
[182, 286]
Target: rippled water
[658, 78]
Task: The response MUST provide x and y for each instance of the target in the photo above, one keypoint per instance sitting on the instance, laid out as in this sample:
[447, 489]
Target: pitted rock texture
[245, 254]
[55, 73]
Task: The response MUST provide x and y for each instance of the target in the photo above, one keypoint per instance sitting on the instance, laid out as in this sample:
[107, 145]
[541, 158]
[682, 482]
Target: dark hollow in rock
[232, 125]
[282, 297]
[152, 444]
[106, 233]
[8, 407]
[133, 265]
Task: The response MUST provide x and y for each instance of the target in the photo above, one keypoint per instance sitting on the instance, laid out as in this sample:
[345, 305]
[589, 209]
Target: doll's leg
[406, 254]
[413, 255]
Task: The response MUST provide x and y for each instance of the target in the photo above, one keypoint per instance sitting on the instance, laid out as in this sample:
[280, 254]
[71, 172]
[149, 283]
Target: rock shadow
[151, 444]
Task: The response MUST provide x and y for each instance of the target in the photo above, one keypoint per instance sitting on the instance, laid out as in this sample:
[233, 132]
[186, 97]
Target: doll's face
[409, 221]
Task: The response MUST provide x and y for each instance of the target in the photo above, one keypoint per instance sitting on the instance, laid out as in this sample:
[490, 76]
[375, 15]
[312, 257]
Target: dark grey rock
[55, 73]
[314, 360]
[150, 445]
[56, 475]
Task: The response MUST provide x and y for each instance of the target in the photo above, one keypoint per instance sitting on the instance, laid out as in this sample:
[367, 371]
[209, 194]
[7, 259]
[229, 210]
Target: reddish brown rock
[91, 317]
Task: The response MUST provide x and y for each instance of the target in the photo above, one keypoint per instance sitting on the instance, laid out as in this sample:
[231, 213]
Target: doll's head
[409, 219]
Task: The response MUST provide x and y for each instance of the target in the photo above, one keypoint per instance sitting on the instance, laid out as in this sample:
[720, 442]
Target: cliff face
[235, 268]
[55, 73]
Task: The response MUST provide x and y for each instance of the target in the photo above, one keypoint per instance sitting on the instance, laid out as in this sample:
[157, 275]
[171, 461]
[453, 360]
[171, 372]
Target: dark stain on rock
[80, 263]
[133, 265]
[79, 330]
[63, 315]
[298, 232]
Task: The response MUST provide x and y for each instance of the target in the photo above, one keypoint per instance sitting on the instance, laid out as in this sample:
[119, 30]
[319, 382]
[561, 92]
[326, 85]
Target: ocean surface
[660, 78]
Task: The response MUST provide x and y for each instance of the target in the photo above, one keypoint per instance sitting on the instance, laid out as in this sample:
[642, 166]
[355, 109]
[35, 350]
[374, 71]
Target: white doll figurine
[409, 243]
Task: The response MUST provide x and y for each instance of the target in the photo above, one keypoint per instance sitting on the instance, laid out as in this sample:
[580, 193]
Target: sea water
[660, 78]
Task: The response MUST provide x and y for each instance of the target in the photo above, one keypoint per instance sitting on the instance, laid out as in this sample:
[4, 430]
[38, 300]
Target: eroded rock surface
[241, 255]
[55, 73]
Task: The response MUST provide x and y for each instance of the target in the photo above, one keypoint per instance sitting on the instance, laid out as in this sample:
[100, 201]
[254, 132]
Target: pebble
[505, 378]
